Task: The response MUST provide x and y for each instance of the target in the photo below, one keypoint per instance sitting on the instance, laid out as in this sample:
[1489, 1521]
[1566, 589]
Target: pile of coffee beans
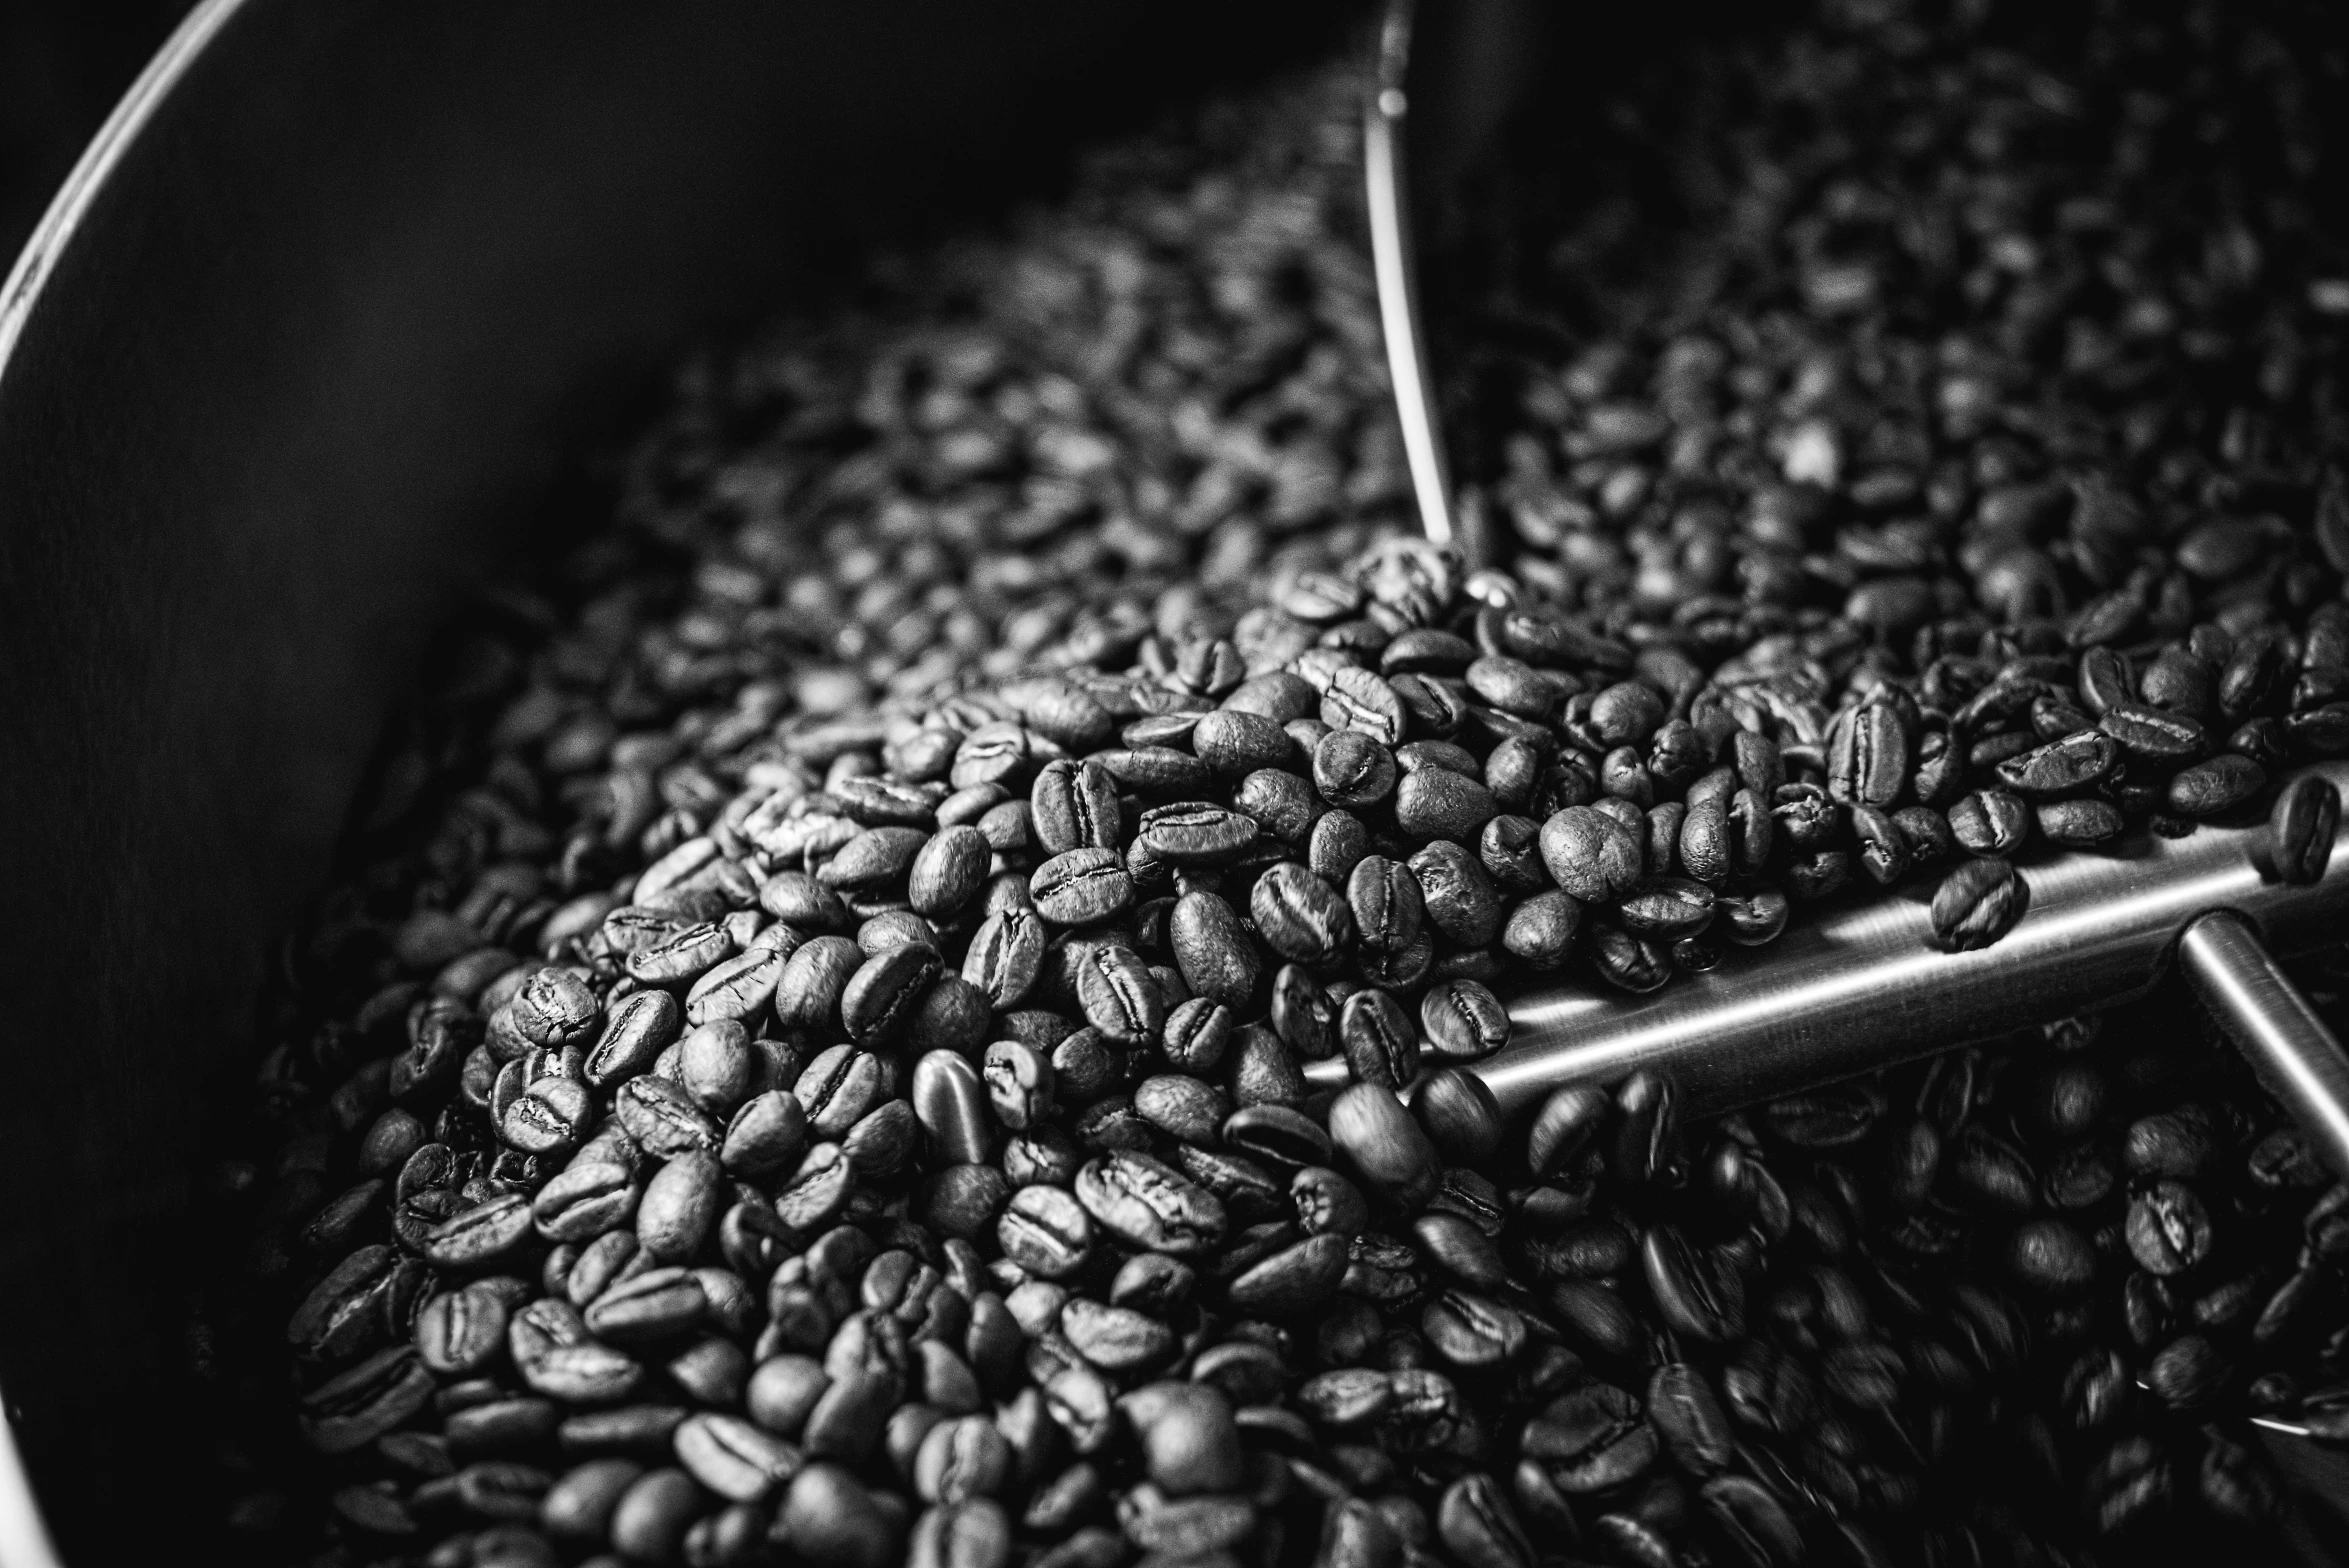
[806, 1065]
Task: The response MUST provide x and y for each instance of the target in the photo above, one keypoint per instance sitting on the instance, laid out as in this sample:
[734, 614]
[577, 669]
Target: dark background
[63, 63]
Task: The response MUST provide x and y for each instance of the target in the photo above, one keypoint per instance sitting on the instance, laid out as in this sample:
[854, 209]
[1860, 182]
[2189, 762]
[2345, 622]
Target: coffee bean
[1457, 896]
[1593, 857]
[1687, 1415]
[807, 994]
[1336, 845]
[1236, 742]
[1298, 915]
[2078, 824]
[1212, 949]
[1591, 1440]
[1073, 805]
[1990, 822]
[1462, 1021]
[1082, 887]
[1196, 1035]
[1118, 995]
[1694, 1290]
[1868, 752]
[1462, 1118]
[1436, 803]
[2153, 734]
[886, 992]
[1360, 701]
[1352, 769]
[1182, 1107]
[1977, 904]
[948, 872]
[1626, 961]
[1379, 1040]
[1753, 920]
[2063, 766]
[2209, 789]
[1383, 1144]
[1667, 908]
[1540, 931]
[1149, 1205]
[2301, 828]
[2168, 1228]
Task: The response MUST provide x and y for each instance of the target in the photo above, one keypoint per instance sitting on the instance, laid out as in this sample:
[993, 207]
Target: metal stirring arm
[1857, 984]
[1447, 75]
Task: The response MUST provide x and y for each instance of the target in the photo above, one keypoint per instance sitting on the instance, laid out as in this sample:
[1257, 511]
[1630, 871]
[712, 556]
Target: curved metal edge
[24, 1536]
[24, 1539]
[74, 199]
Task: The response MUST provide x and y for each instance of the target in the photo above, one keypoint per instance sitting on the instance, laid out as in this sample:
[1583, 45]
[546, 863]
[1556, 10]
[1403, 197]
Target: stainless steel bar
[2269, 1020]
[1394, 260]
[1857, 984]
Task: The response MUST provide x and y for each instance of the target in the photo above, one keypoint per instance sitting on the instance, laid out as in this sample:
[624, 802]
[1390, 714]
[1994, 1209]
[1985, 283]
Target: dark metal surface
[332, 300]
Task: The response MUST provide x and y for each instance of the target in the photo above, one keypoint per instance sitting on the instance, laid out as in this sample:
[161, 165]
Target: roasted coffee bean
[1379, 1039]
[2179, 1144]
[1509, 849]
[1150, 1205]
[2078, 824]
[1868, 752]
[1592, 856]
[1695, 1290]
[1300, 916]
[1327, 1203]
[948, 872]
[2209, 789]
[1459, 899]
[1687, 1415]
[1195, 1036]
[1073, 805]
[1352, 769]
[1381, 1141]
[1462, 1021]
[1118, 994]
[1385, 901]
[1005, 956]
[1479, 1528]
[2168, 1228]
[1591, 1440]
[1977, 904]
[2153, 734]
[1990, 822]
[2063, 766]
[1278, 1135]
[882, 998]
[1462, 1118]
[1626, 961]
[1082, 887]
[1302, 1013]
[1212, 949]
[1336, 845]
[1667, 909]
[2301, 827]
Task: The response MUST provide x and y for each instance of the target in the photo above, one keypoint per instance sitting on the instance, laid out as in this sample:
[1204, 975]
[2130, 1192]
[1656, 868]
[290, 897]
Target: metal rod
[1857, 984]
[2269, 1020]
[1394, 261]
